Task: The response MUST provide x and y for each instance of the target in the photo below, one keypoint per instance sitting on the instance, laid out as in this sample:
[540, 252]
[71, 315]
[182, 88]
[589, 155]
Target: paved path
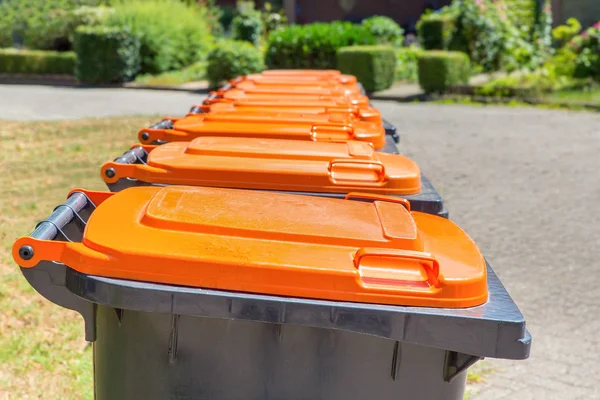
[23, 102]
[525, 183]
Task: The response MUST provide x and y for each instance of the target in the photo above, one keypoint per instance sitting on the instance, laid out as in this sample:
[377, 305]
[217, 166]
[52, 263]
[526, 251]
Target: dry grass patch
[42, 350]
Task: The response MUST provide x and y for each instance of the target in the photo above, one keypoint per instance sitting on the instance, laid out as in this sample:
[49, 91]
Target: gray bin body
[161, 356]
[157, 341]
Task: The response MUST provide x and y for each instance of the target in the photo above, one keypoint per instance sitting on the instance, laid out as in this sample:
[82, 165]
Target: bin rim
[497, 328]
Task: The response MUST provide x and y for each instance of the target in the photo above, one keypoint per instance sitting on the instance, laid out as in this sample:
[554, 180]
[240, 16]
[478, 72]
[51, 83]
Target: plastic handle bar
[49, 228]
[135, 155]
[431, 264]
[376, 197]
[357, 172]
[166, 123]
[328, 133]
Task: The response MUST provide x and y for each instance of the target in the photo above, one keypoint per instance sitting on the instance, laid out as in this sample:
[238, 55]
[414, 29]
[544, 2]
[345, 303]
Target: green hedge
[440, 69]
[106, 55]
[232, 58]
[14, 61]
[385, 30]
[435, 31]
[373, 66]
[313, 45]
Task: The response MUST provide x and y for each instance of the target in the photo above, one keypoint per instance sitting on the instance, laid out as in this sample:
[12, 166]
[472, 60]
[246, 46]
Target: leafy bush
[226, 16]
[14, 61]
[272, 20]
[172, 34]
[529, 84]
[106, 54]
[406, 63]
[373, 66]
[435, 31]
[230, 59]
[440, 69]
[247, 26]
[563, 34]
[486, 31]
[87, 16]
[385, 30]
[313, 45]
[39, 24]
[586, 48]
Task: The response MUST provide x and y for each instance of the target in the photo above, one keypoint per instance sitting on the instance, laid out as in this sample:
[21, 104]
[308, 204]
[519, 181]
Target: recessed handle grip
[389, 267]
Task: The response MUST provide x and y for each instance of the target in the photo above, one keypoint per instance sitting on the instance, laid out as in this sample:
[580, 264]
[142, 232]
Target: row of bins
[272, 244]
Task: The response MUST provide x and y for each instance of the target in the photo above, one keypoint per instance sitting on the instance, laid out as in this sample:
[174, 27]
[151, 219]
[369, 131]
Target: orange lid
[299, 98]
[271, 164]
[290, 88]
[278, 244]
[362, 113]
[321, 128]
[309, 79]
[327, 73]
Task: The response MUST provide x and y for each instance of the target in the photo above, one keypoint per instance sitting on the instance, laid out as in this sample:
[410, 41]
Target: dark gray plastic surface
[390, 146]
[155, 356]
[495, 329]
[391, 130]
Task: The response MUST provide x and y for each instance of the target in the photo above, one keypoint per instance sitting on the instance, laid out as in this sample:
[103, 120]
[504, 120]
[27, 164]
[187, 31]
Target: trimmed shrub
[172, 33]
[13, 61]
[435, 31]
[406, 63]
[385, 30]
[440, 69]
[313, 45]
[373, 66]
[106, 55]
[247, 26]
[232, 58]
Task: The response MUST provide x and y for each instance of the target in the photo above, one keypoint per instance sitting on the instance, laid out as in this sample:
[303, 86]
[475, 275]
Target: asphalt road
[31, 102]
[525, 184]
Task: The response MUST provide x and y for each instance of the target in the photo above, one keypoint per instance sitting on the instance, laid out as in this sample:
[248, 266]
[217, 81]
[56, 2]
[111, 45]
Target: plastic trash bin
[320, 128]
[306, 73]
[259, 86]
[306, 76]
[203, 293]
[322, 106]
[298, 80]
[312, 168]
[234, 95]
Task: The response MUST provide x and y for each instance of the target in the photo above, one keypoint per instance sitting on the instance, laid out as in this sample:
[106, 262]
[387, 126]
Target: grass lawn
[575, 97]
[195, 72]
[42, 350]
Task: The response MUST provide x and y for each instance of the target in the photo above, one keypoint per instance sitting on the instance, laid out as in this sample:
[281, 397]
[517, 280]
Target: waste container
[233, 95]
[306, 73]
[269, 86]
[312, 168]
[321, 106]
[320, 128]
[369, 114]
[204, 293]
[298, 80]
